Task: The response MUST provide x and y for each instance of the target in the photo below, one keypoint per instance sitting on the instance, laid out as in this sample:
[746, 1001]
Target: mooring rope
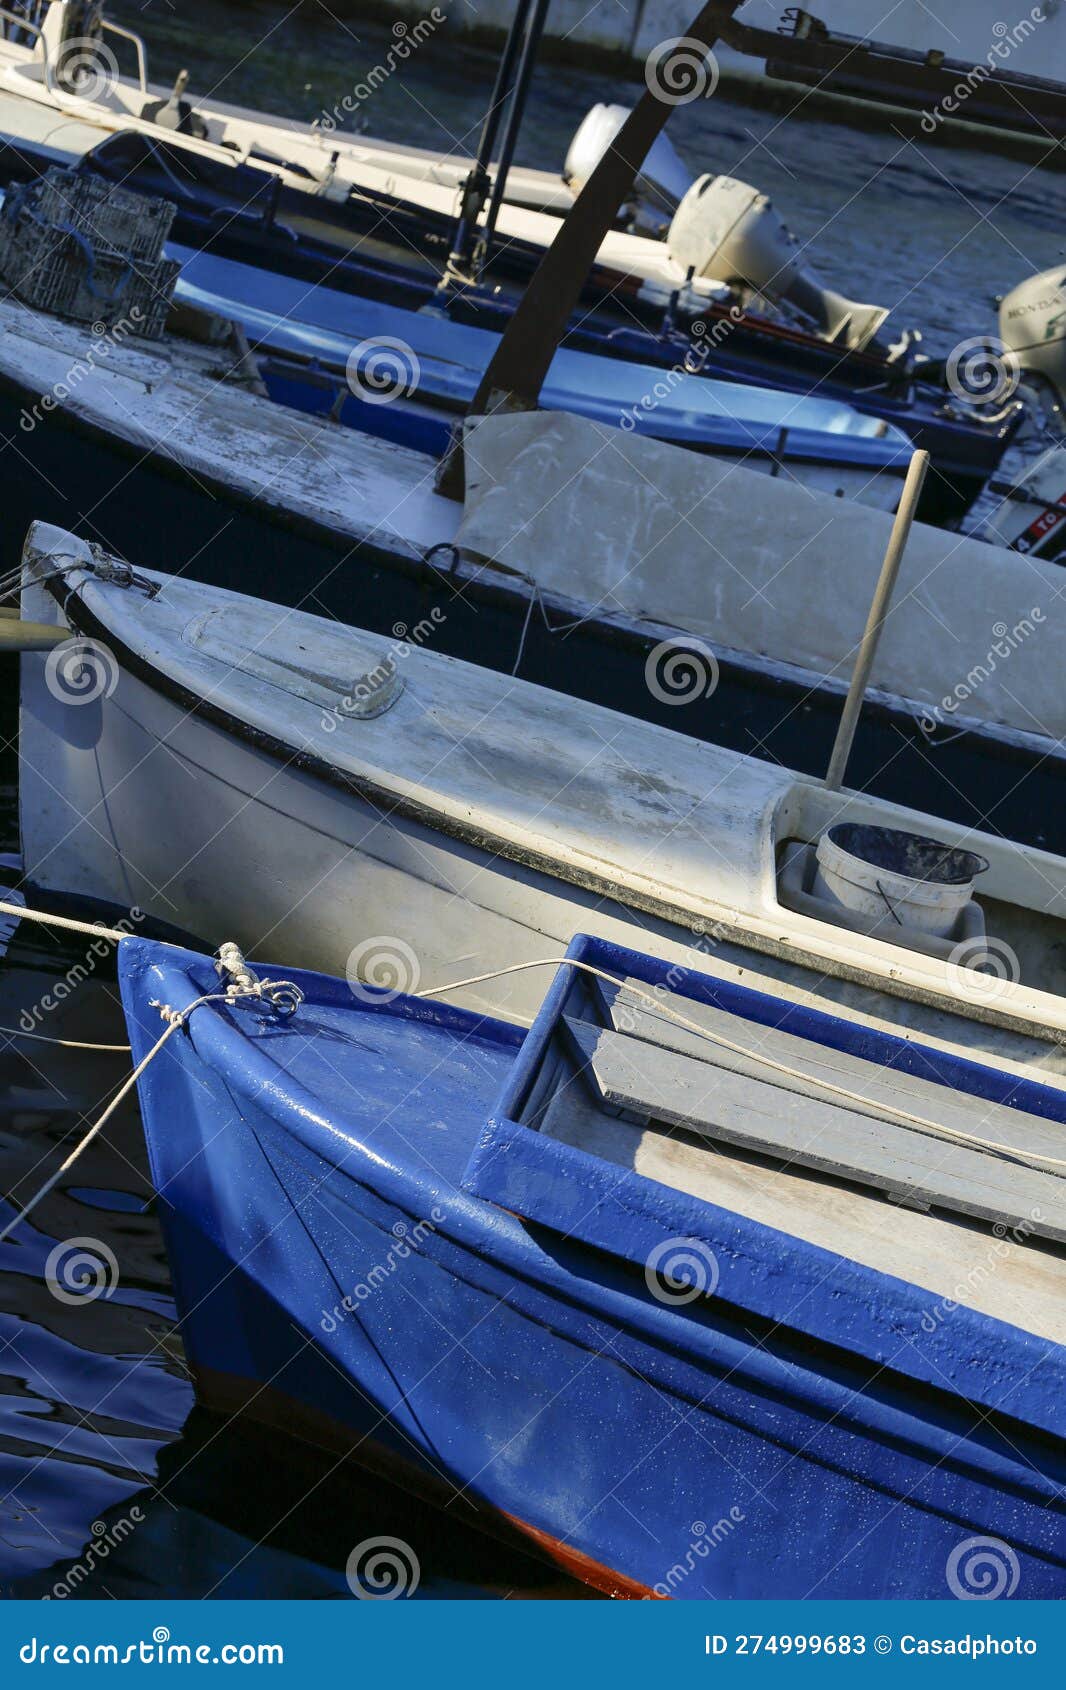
[124, 1090]
[95, 929]
[905, 1116]
[287, 997]
[282, 995]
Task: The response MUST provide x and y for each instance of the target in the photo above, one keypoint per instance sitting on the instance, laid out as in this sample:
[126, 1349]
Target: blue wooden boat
[426, 366]
[628, 1284]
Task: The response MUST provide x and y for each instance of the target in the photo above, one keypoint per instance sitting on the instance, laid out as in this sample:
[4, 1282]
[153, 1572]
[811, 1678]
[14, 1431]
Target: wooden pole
[16, 635]
[886, 582]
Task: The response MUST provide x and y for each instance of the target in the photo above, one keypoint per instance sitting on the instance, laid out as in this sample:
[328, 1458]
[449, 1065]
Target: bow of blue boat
[451, 1248]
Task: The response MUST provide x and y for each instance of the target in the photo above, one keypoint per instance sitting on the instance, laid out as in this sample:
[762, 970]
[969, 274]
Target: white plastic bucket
[897, 879]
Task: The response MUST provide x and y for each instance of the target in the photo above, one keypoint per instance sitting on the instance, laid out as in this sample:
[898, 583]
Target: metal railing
[142, 58]
[23, 22]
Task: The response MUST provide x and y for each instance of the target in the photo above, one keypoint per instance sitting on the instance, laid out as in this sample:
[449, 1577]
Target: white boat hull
[148, 799]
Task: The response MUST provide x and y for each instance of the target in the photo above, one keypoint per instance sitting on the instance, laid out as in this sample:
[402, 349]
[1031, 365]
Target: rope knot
[172, 1017]
[283, 996]
[230, 960]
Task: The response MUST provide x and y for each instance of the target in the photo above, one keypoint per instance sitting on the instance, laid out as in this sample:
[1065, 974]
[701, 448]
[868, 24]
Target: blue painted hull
[335, 1273]
[442, 363]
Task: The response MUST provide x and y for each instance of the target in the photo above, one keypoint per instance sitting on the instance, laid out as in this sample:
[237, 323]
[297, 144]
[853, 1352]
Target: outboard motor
[1032, 327]
[728, 231]
[663, 180]
[72, 33]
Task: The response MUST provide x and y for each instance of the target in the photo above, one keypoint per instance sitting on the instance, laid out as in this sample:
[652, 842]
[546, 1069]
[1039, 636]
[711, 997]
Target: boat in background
[413, 374]
[1013, 74]
[65, 64]
[261, 246]
[725, 260]
[403, 1232]
[431, 369]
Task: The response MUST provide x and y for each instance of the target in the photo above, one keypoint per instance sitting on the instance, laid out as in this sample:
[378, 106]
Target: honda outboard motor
[1032, 327]
[728, 231]
[663, 180]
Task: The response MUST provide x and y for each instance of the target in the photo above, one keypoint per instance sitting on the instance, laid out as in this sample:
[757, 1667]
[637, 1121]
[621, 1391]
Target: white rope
[175, 1020]
[95, 929]
[907, 1117]
[937, 1128]
[67, 1044]
[283, 995]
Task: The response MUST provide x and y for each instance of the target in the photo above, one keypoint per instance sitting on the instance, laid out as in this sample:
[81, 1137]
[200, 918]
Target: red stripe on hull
[224, 1393]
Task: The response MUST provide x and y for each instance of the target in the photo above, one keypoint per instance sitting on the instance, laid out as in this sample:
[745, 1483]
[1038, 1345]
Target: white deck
[169, 398]
[593, 799]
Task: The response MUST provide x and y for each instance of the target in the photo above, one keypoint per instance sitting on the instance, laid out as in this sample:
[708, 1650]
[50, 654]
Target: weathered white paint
[169, 400]
[647, 532]
[581, 819]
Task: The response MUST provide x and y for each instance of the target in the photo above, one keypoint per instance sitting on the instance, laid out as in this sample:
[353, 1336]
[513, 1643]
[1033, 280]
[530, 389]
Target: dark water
[933, 231]
[99, 1443]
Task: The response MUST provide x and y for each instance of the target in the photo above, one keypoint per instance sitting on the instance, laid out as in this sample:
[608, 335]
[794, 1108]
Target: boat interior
[885, 1152]
[874, 1149]
[1011, 931]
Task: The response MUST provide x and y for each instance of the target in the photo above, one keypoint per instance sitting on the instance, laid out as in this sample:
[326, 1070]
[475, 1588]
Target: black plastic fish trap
[77, 247]
[112, 218]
